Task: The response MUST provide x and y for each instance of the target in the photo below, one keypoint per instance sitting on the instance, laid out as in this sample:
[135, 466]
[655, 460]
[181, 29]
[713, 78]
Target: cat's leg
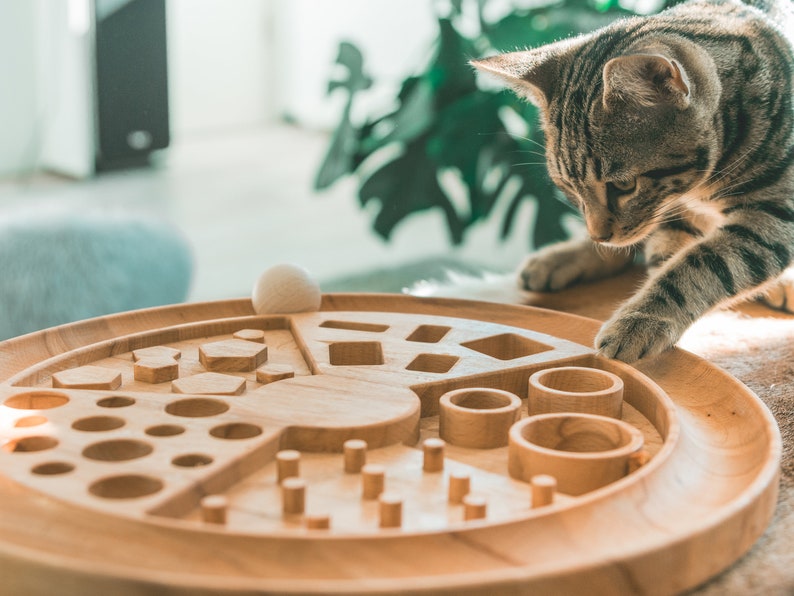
[780, 293]
[564, 264]
[752, 248]
[667, 241]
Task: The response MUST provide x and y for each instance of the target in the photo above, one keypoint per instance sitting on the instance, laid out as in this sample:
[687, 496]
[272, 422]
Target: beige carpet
[751, 342]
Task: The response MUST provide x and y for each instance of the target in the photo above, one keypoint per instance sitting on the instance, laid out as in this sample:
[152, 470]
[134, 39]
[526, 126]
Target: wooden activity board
[383, 444]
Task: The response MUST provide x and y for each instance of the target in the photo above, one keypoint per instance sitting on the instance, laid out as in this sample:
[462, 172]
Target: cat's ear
[645, 80]
[533, 74]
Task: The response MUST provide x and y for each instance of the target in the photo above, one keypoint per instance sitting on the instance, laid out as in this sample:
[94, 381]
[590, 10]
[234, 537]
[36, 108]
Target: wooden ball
[285, 289]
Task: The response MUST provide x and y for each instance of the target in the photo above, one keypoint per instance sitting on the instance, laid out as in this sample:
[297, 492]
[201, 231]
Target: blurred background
[217, 116]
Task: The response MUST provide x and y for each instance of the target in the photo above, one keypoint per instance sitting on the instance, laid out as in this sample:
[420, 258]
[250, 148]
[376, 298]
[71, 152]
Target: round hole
[36, 400]
[575, 379]
[128, 486]
[29, 421]
[577, 434]
[165, 430]
[236, 430]
[115, 401]
[481, 399]
[53, 468]
[98, 423]
[196, 407]
[117, 450]
[192, 460]
[30, 444]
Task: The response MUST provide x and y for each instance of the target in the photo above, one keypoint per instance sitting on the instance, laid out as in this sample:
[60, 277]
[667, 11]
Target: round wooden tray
[96, 501]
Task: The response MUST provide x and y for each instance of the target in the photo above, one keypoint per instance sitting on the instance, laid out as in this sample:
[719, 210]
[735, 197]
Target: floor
[244, 200]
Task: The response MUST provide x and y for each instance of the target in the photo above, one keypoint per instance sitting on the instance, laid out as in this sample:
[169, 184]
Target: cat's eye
[626, 185]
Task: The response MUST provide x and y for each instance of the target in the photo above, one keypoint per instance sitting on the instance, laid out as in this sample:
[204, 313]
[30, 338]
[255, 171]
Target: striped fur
[675, 134]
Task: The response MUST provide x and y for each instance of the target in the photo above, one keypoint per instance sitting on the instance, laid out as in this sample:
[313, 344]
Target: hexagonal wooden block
[256, 335]
[274, 372]
[210, 384]
[87, 377]
[156, 352]
[232, 355]
[156, 370]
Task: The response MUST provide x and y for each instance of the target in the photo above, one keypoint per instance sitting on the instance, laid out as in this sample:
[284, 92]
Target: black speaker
[131, 81]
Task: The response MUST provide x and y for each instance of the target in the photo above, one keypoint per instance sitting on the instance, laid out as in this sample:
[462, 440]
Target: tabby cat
[673, 133]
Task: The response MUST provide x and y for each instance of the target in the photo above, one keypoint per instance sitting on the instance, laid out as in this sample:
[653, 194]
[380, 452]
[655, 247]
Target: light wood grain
[702, 499]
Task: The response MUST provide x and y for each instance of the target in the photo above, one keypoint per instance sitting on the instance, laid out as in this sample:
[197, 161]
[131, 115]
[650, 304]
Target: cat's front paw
[549, 272]
[780, 295]
[631, 335]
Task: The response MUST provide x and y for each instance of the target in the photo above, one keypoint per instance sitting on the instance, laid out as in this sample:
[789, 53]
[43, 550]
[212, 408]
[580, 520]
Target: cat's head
[627, 136]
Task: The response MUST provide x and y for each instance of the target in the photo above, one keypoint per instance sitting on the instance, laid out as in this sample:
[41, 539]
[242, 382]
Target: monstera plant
[446, 124]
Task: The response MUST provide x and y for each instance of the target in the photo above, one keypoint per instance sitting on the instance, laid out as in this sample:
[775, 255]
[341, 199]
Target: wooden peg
[373, 479]
[355, 451]
[474, 507]
[459, 487]
[293, 496]
[287, 464]
[318, 521]
[544, 488]
[433, 455]
[214, 508]
[637, 460]
[391, 511]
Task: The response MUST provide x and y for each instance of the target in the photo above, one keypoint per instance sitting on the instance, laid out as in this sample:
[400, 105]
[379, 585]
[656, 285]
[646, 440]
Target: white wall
[19, 106]
[394, 37]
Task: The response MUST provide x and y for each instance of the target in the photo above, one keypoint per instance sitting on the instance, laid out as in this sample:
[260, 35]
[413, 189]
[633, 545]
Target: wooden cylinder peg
[474, 507]
[355, 453]
[287, 464]
[575, 389]
[543, 489]
[391, 511]
[433, 455]
[214, 508]
[318, 521]
[459, 487]
[373, 478]
[638, 459]
[293, 496]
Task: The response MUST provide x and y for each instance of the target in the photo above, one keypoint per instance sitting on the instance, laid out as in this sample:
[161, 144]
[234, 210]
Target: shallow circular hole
[36, 400]
[571, 379]
[117, 450]
[98, 423]
[192, 460]
[480, 400]
[236, 430]
[29, 421]
[196, 407]
[577, 434]
[127, 486]
[53, 468]
[115, 401]
[30, 444]
[165, 430]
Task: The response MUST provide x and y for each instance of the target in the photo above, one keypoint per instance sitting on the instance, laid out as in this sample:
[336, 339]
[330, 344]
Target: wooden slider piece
[270, 373]
[255, 335]
[433, 455]
[459, 487]
[373, 479]
[544, 488]
[355, 452]
[293, 496]
[156, 370]
[474, 507]
[214, 508]
[391, 511]
[287, 464]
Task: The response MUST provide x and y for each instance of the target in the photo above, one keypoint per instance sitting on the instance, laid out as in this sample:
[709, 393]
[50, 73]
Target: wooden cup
[575, 389]
[477, 418]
